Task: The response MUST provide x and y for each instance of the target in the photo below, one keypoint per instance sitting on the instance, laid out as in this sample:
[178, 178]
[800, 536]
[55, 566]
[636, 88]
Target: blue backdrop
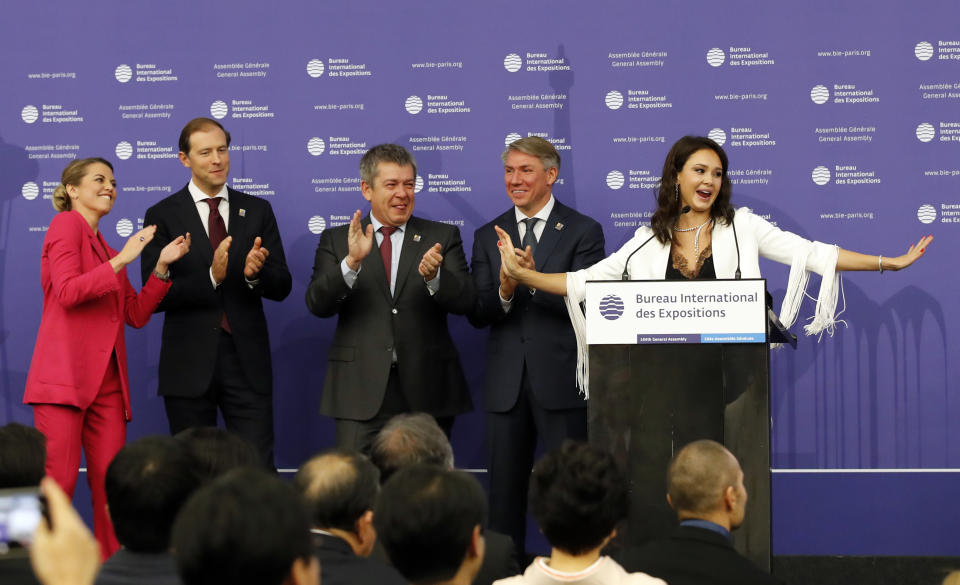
[841, 121]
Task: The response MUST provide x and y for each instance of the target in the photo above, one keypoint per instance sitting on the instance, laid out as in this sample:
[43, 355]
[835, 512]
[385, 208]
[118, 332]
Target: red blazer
[84, 308]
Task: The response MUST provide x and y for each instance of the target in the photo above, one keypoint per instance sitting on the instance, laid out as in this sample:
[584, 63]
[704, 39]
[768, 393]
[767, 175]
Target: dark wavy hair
[668, 205]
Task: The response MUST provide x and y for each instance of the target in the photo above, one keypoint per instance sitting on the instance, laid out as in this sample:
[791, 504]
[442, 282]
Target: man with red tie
[215, 352]
[391, 278]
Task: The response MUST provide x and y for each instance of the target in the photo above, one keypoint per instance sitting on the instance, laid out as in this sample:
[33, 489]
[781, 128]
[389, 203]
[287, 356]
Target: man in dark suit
[392, 351]
[147, 483]
[215, 351]
[705, 488]
[340, 489]
[531, 389]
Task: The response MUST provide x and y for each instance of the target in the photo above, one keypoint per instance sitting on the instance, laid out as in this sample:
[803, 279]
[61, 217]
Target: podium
[676, 361]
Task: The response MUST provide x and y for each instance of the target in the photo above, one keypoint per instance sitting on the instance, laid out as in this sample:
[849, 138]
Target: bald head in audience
[705, 482]
[340, 489]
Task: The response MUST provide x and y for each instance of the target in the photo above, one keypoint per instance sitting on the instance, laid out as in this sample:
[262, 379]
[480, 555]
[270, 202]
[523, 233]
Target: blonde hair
[72, 175]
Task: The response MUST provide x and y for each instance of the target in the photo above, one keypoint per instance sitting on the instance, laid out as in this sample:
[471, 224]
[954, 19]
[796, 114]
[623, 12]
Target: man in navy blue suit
[530, 389]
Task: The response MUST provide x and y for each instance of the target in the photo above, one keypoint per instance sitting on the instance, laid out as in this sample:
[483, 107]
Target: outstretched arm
[848, 260]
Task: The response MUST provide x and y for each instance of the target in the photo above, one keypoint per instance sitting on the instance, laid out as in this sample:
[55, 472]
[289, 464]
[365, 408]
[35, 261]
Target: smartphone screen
[20, 512]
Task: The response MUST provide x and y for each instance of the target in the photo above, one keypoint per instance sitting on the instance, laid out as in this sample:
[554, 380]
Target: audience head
[340, 490]
[578, 495]
[218, 451]
[407, 439]
[705, 481]
[147, 483]
[430, 522]
[22, 456]
[245, 527]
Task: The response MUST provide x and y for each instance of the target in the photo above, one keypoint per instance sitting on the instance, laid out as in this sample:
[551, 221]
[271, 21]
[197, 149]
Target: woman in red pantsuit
[77, 383]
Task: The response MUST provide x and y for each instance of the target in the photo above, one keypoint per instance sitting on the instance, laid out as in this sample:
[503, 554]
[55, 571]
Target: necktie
[529, 238]
[386, 249]
[216, 231]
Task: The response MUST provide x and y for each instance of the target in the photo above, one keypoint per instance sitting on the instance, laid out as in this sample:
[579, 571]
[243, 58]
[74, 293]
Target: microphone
[626, 266]
[736, 274]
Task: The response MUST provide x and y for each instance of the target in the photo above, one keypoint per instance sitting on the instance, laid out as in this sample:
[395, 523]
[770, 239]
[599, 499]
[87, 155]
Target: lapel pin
[242, 212]
[558, 227]
[416, 237]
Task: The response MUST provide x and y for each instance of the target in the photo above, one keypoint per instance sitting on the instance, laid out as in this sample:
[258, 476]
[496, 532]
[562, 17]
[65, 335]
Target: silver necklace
[696, 238]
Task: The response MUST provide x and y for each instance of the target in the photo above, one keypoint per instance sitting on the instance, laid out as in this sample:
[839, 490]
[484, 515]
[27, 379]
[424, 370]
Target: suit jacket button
[389, 348]
[394, 311]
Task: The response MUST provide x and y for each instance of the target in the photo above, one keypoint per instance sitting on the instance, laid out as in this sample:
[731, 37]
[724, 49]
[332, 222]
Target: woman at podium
[696, 233]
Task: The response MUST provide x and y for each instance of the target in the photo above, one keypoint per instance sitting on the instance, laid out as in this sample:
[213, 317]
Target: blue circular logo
[611, 307]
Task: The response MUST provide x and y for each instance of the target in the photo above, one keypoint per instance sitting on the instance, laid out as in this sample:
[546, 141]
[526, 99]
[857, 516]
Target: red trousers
[100, 431]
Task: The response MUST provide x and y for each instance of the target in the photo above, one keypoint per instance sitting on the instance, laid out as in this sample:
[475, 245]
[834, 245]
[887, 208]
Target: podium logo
[124, 227]
[413, 104]
[819, 94]
[315, 67]
[316, 224]
[614, 179]
[29, 114]
[716, 57]
[218, 109]
[717, 135]
[925, 132]
[512, 62]
[923, 51]
[123, 73]
[30, 190]
[418, 185]
[124, 150]
[511, 138]
[613, 99]
[927, 213]
[820, 175]
[316, 146]
[611, 307]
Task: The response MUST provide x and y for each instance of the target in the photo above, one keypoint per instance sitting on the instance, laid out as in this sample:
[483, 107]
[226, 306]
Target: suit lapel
[508, 223]
[552, 232]
[190, 219]
[414, 243]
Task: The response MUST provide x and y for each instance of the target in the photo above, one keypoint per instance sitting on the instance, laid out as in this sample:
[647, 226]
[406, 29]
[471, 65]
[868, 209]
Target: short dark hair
[196, 125]
[23, 454]
[245, 527]
[387, 153]
[669, 205]
[407, 439]
[425, 518]
[218, 451]
[578, 494]
[147, 483]
[338, 487]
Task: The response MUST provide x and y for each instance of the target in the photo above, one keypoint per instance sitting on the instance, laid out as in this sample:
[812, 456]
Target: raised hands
[255, 259]
[430, 263]
[172, 252]
[359, 241]
[220, 258]
[135, 244]
[914, 252]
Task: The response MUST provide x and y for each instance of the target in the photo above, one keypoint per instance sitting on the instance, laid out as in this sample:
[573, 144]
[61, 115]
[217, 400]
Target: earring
[677, 191]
